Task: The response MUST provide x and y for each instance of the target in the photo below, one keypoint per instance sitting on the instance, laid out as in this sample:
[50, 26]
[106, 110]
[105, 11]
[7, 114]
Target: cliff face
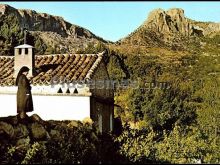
[52, 31]
[44, 22]
[172, 21]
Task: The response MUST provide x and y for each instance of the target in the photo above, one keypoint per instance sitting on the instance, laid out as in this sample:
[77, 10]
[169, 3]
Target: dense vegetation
[175, 123]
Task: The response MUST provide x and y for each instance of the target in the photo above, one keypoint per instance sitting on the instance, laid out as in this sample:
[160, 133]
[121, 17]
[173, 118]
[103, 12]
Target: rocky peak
[6, 9]
[176, 12]
[167, 28]
[168, 22]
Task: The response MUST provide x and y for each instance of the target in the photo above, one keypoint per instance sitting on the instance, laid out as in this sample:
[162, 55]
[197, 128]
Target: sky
[115, 20]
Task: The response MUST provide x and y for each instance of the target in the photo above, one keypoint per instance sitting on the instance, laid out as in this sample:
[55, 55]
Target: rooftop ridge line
[95, 65]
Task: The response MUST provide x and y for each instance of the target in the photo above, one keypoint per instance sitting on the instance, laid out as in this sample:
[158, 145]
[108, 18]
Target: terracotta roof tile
[69, 66]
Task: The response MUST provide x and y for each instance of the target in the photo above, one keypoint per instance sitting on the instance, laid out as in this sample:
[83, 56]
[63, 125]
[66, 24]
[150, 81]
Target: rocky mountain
[47, 32]
[52, 34]
[170, 28]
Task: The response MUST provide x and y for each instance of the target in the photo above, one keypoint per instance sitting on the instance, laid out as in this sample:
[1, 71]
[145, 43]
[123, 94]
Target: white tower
[24, 56]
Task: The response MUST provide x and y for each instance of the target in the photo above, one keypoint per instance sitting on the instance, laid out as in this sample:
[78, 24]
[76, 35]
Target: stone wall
[102, 99]
[102, 87]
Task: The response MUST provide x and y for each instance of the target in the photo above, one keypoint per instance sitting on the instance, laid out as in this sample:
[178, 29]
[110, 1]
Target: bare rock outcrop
[45, 22]
[174, 22]
[212, 28]
[6, 130]
[169, 22]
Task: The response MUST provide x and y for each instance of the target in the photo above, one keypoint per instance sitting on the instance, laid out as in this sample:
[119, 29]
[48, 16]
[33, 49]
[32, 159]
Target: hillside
[48, 33]
[177, 123]
[165, 38]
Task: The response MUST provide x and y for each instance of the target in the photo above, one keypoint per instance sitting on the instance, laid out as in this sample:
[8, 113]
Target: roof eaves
[24, 46]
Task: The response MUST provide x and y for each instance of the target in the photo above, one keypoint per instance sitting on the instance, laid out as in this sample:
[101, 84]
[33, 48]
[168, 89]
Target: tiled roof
[69, 66]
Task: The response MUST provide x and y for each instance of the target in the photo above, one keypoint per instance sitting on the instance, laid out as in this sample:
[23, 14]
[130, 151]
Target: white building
[64, 86]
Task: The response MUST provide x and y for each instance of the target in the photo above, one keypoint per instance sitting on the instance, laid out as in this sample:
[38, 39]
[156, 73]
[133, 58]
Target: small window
[67, 91]
[19, 51]
[60, 91]
[26, 50]
[75, 91]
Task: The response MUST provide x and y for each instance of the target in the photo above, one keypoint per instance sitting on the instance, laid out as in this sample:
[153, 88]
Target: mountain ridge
[169, 27]
[36, 21]
[50, 34]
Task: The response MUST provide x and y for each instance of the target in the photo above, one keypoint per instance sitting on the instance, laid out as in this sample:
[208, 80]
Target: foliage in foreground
[69, 142]
[182, 145]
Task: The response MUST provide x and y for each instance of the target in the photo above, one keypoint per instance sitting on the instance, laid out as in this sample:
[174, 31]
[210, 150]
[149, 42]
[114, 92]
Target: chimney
[24, 56]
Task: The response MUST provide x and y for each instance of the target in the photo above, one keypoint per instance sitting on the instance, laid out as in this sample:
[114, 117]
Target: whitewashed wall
[50, 107]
